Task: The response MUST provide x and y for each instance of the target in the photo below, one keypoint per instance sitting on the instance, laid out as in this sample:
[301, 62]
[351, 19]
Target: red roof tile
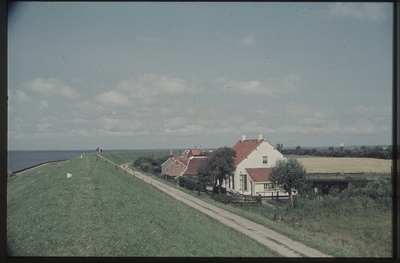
[198, 151]
[183, 160]
[259, 174]
[193, 165]
[244, 148]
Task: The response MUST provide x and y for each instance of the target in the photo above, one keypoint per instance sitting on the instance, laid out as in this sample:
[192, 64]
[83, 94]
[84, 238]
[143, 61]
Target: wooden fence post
[116, 168]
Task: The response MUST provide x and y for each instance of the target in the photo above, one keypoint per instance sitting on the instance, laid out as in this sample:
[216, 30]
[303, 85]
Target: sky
[146, 75]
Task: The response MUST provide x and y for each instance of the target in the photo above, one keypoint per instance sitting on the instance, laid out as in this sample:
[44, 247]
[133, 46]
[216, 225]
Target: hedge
[191, 184]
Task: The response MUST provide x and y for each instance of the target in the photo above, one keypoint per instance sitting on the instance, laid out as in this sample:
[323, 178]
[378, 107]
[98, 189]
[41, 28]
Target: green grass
[128, 157]
[101, 211]
[361, 234]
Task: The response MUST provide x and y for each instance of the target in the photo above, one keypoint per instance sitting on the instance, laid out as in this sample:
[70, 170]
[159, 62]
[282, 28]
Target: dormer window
[265, 159]
[177, 164]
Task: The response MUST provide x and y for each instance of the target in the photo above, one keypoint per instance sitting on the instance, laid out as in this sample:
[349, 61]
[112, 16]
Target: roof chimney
[260, 137]
[243, 137]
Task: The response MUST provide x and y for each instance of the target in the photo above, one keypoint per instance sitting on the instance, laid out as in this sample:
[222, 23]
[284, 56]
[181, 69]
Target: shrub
[146, 167]
[191, 184]
[223, 198]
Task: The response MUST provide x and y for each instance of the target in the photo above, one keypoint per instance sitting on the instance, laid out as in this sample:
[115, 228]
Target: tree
[279, 146]
[217, 166]
[289, 175]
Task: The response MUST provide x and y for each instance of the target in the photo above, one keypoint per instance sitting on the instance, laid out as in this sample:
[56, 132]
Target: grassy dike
[361, 234]
[101, 211]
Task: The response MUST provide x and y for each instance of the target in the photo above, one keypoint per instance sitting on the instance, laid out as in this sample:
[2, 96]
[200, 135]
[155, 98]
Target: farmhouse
[184, 165]
[254, 160]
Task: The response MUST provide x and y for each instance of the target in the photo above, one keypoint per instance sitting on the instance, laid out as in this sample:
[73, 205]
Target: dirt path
[278, 242]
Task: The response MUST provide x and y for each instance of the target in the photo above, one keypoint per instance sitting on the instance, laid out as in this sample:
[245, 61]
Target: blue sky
[160, 75]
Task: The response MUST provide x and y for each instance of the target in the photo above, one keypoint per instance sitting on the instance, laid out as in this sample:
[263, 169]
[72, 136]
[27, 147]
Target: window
[267, 186]
[177, 164]
[241, 181]
[265, 159]
[245, 182]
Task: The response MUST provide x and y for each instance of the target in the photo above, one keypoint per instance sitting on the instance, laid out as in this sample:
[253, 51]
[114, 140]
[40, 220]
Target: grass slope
[128, 157]
[360, 234]
[101, 211]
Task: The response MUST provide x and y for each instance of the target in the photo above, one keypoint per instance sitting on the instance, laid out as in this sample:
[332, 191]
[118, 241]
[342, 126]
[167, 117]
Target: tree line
[146, 164]
[363, 152]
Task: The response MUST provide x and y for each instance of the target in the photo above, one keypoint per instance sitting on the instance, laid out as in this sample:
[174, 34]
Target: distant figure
[97, 150]
[101, 150]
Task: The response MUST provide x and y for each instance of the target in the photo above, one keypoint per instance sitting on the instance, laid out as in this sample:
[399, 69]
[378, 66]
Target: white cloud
[150, 85]
[297, 110]
[51, 87]
[42, 127]
[167, 111]
[149, 89]
[271, 87]
[77, 121]
[248, 41]
[372, 11]
[21, 96]
[113, 99]
[327, 126]
[78, 133]
[89, 109]
[184, 131]
[43, 105]
[372, 110]
[119, 125]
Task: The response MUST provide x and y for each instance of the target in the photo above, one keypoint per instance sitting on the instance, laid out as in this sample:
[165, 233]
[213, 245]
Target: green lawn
[101, 211]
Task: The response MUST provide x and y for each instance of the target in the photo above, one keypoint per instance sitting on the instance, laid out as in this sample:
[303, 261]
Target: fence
[272, 195]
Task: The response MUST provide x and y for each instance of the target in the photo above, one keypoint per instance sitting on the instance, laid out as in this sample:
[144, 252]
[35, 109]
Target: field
[346, 165]
[103, 212]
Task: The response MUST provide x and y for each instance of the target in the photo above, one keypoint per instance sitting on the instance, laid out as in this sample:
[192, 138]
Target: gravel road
[278, 242]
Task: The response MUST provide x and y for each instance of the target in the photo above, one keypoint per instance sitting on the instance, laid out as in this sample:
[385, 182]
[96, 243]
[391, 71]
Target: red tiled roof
[183, 160]
[259, 174]
[198, 151]
[193, 165]
[244, 148]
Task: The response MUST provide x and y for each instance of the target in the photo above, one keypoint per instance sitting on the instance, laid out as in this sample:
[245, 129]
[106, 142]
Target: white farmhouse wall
[259, 188]
[165, 165]
[255, 160]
